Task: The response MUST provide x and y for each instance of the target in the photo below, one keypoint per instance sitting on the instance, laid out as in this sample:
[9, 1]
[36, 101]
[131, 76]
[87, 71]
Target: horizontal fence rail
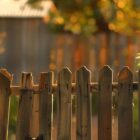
[36, 116]
[94, 88]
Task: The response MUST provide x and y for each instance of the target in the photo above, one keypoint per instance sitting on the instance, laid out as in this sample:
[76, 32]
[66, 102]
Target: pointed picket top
[125, 99]
[105, 73]
[64, 104]
[6, 74]
[106, 70]
[26, 80]
[65, 70]
[84, 69]
[105, 104]
[125, 75]
[83, 105]
[83, 72]
[64, 76]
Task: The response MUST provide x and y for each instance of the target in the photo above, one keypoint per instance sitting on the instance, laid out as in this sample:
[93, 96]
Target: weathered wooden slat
[25, 107]
[34, 121]
[46, 105]
[64, 105]
[139, 106]
[125, 104]
[5, 80]
[83, 105]
[105, 104]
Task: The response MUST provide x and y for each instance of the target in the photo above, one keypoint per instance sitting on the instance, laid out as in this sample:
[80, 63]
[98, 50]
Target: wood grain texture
[5, 81]
[125, 94]
[64, 105]
[105, 104]
[46, 105]
[83, 105]
[139, 105]
[34, 121]
[25, 107]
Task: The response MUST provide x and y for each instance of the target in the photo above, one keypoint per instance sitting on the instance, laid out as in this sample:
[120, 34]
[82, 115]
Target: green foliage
[90, 16]
[13, 115]
[138, 60]
[76, 23]
[135, 116]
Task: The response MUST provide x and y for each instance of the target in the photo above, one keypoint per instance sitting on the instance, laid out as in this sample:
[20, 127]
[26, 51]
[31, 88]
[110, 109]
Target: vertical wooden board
[46, 105]
[64, 105]
[25, 107]
[5, 80]
[83, 105]
[34, 122]
[105, 104]
[139, 107]
[125, 94]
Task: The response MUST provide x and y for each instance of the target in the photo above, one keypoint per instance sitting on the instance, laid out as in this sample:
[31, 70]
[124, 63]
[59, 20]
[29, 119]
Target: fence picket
[34, 121]
[46, 105]
[64, 105]
[105, 104]
[139, 105]
[125, 94]
[83, 105]
[35, 112]
[25, 107]
[5, 80]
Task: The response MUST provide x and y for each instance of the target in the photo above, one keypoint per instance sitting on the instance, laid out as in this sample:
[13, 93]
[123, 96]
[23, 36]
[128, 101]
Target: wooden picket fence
[35, 112]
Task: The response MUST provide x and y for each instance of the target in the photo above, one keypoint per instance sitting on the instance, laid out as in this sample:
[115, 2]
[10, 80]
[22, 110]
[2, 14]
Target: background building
[26, 44]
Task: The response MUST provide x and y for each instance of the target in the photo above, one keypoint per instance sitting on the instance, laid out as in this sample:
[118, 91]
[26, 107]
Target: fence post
[46, 105]
[64, 105]
[25, 107]
[105, 104]
[83, 105]
[139, 106]
[125, 94]
[34, 118]
[5, 80]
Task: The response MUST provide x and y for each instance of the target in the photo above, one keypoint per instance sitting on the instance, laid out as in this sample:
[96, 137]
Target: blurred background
[43, 35]
[40, 35]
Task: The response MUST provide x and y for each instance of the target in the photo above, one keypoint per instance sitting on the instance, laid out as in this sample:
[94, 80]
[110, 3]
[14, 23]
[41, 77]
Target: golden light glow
[77, 28]
[59, 20]
[52, 66]
[91, 21]
[46, 19]
[121, 4]
[53, 8]
[120, 15]
[73, 19]
[2, 50]
[112, 26]
[138, 15]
